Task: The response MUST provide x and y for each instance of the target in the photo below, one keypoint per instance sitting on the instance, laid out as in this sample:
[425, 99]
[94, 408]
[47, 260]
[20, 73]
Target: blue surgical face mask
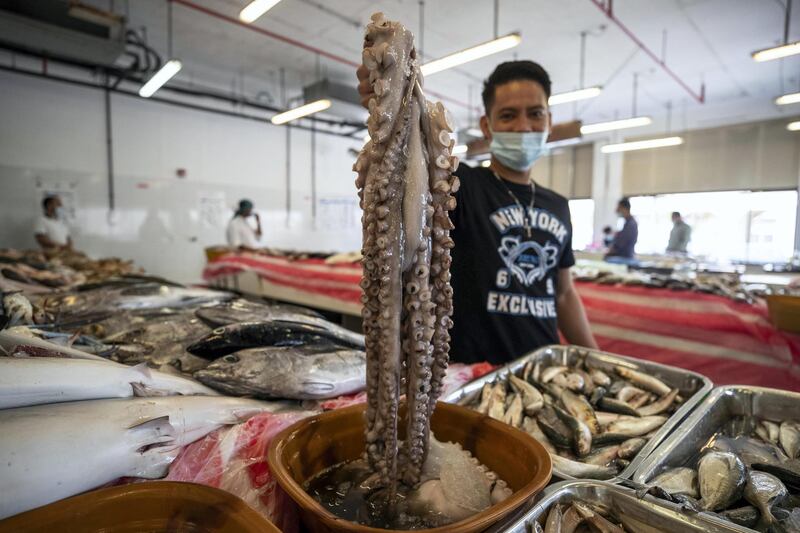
[518, 150]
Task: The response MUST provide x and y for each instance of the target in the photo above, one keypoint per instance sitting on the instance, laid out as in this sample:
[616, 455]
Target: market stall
[729, 341]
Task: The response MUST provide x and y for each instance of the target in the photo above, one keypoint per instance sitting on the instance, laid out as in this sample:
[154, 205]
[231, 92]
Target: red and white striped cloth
[727, 341]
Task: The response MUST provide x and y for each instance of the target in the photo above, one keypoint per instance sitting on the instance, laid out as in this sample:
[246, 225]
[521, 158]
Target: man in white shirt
[51, 232]
[240, 233]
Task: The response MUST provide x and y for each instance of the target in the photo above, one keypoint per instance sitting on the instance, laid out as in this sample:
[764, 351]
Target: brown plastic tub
[167, 506]
[303, 450]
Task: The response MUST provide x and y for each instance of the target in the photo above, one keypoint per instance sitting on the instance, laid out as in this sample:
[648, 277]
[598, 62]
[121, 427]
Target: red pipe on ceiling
[607, 9]
[293, 42]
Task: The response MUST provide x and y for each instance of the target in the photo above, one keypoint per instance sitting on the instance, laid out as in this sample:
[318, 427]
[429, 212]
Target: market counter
[727, 341]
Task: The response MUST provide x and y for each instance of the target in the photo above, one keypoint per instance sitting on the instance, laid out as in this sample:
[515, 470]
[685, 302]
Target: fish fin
[160, 425]
[142, 390]
[142, 368]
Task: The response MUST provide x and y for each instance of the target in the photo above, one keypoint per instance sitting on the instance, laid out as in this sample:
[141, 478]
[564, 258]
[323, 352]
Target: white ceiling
[706, 41]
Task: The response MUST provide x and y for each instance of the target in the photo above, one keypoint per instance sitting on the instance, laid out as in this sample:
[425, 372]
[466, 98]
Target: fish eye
[231, 358]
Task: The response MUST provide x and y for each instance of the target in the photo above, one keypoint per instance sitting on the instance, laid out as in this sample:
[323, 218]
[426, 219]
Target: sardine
[50, 452]
[527, 371]
[497, 402]
[602, 456]
[790, 438]
[597, 521]
[605, 418]
[486, 396]
[764, 490]
[675, 481]
[532, 399]
[556, 430]
[553, 522]
[581, 434]
[513, 415]
[571, 520]
[288, 372]
[574, 382]
[721, 478]
[235, 337]
[659, 406]
[600, 378]
[581, 409]
[636, 427]
[629, 393]
[552, 371]
[577, 469]
[645, 381]
[531, 427]
[773, 430]
[629, 448]
[616, 406]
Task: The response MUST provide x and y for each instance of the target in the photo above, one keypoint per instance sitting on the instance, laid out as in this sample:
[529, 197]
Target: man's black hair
[625, 203]
[676, 214]
[47, 201]
[513, 71]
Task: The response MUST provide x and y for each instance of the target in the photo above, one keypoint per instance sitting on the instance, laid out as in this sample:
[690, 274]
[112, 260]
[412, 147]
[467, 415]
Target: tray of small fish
[584, 505]
[599, 414]
[736, 456]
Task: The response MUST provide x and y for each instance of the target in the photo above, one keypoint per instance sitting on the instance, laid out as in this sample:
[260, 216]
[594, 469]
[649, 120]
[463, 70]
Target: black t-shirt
[504, 283]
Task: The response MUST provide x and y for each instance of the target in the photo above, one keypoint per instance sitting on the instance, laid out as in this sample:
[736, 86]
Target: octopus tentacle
[405, 186]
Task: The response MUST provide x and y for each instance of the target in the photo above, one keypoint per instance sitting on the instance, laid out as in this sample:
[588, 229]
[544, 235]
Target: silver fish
[513, 415]
[645, 381]
[574, 382]
[554, 518]
[790, 438]
[721, 477]
[605, 418]
[287, 373]
[599, 377]
[552, 371]
[497, 402]
[636, 427]
[682, 480]
[571, 520]
[764, 490]
[596, 520]
[581, 434]
[628, 393]
[581, 470]
[532, 399]
[660, 405]
[531, 427]
[629, 448]
[602, 456]
[750, 450]
[486, 396]
[773, 430]
[581, 409]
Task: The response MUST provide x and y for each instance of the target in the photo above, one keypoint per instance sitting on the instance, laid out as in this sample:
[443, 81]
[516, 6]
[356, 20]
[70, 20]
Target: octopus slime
[406, 185]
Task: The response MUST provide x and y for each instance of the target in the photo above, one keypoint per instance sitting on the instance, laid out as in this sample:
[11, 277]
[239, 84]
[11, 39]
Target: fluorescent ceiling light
[777, 52]
[255, 9]
[459, 149]
[793, 126]
[642, 145]
[471, 54]
[302, 111]
[161, 77]
[475, 132]
[572, 96]
[634, 122]
[792, 98]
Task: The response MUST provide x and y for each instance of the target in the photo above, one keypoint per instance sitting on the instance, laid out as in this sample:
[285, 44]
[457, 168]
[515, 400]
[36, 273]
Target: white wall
[52, 137]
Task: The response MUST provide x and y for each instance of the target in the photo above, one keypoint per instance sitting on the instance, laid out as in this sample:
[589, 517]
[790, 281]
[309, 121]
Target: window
[741, 226]
[582, 215]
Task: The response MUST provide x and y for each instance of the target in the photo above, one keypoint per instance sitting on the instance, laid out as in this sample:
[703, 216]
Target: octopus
[406, 185]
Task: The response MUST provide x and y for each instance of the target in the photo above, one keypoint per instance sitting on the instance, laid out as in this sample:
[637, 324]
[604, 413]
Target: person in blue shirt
[624, 243]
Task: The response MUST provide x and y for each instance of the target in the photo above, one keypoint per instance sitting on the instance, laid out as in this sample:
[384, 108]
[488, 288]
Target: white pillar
[606, 188]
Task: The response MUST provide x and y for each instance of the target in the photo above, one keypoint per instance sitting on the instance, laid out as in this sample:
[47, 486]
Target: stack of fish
[237, 346]
[592, 421]
[583, 516]
[748, 473]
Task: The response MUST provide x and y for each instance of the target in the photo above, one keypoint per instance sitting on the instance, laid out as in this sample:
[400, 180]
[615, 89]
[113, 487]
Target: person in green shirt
[680, 235]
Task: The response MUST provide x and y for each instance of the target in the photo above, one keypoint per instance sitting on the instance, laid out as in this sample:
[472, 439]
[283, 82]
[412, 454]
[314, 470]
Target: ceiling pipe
[607, 8]
[293, 42]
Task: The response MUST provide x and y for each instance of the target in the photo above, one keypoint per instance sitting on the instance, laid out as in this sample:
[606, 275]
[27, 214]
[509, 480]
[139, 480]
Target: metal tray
[648, 510]
[721, 405]
[693, 387]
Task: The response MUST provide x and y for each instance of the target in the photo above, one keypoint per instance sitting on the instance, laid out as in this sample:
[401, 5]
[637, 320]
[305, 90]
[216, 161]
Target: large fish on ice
[50, 452]
[241, 310]
[235, 337]
[42, 380]
[300, 373]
